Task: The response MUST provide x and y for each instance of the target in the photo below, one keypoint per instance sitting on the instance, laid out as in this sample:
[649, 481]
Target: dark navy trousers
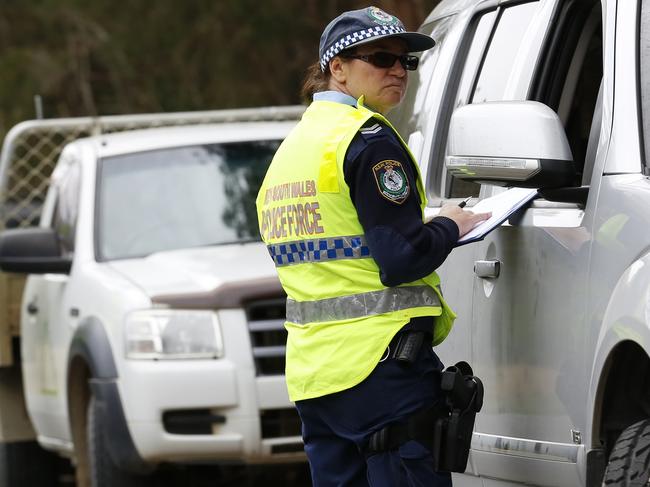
[335, 427]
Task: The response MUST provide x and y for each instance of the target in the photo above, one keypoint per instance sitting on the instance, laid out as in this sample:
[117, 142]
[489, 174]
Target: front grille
[279, 423]
[268, 336]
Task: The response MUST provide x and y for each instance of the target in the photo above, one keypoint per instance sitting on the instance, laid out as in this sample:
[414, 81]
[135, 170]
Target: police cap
[358, 27]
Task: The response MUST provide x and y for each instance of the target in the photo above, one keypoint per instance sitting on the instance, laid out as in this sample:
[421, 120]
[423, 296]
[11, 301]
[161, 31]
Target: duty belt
[359, 305]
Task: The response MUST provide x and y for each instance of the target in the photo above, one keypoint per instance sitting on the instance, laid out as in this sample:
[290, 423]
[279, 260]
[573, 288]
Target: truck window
[644, 63]
[458, 187]
[487, 68]
[568, 78]
[66, 181]
[179, 198]
[420, 80]
[500, 57]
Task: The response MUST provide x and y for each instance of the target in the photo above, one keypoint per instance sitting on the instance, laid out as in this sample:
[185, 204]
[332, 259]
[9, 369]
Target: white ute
[152, 318]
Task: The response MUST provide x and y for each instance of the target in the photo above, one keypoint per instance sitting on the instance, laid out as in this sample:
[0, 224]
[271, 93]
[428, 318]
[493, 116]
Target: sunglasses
[387, 59]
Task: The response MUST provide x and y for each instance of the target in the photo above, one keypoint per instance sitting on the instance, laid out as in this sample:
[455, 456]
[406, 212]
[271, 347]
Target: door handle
[487, 268]
[32, 309]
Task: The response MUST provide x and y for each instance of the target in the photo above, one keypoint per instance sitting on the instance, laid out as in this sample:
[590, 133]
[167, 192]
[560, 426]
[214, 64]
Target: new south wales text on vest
[281, 219]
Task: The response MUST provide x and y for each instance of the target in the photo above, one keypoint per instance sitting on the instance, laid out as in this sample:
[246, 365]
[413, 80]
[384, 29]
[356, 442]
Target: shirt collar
[335, 96]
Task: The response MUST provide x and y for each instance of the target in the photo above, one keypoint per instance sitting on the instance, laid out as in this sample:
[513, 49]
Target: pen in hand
[465, 220]
[464, 202]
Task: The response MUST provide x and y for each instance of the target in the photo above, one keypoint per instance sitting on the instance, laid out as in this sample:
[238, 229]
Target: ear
[338, 68]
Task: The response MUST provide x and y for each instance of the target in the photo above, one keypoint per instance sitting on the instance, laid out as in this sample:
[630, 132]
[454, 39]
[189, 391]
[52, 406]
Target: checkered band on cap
[351, 39]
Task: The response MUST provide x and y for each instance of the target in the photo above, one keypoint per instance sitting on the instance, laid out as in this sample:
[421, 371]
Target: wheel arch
[620, 362]
[90, 357]
[92, 372]
[623, 393]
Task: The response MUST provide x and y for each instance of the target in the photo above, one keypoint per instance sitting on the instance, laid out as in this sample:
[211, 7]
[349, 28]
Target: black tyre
[629, 462]
[102, 469]
[26, 464]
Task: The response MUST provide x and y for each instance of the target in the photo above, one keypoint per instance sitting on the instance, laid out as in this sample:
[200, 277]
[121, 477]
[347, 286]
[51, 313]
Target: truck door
[528, 315]
[46, 313]
[526, 332]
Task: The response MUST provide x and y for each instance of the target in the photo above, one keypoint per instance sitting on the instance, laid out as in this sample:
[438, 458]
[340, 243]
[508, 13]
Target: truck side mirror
[32, 251]
[510, 143]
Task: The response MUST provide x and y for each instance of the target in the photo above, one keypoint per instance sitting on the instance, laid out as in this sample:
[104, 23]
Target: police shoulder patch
[391, 180]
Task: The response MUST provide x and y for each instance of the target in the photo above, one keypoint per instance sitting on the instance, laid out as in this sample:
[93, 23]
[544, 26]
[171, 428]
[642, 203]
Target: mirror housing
[32, 251]
[510, 143]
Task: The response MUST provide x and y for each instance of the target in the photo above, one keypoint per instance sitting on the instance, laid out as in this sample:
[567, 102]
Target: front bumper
[210, 410]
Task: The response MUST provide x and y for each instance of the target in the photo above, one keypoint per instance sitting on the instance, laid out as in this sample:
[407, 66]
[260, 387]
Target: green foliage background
[104, 57]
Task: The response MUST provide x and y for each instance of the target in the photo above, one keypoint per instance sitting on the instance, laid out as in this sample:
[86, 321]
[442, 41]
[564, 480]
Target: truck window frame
[438, 180]
[504, 13]
[458, 188]
[63, 219]
[466, 87]
[553, 71]
[420, 80]
[548, 82]
[435, 162]
[643, 80]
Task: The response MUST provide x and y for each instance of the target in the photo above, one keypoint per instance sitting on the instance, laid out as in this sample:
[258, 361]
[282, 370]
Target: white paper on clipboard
[502, 206]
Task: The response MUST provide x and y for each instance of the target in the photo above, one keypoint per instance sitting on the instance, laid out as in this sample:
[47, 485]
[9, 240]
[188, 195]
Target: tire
[26, 464]
[103, 471]
[629, 462]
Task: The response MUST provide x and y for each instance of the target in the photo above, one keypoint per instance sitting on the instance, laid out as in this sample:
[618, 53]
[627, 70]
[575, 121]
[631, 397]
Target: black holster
[452, 436]
[445, 429]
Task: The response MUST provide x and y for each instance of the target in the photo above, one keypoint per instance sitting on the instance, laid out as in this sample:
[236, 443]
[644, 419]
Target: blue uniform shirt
[382, 178]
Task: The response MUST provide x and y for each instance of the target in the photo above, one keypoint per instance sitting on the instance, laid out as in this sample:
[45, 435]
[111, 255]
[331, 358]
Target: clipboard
[502, 206]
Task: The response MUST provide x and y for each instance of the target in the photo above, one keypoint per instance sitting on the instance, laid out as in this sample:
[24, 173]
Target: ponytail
[315, 81]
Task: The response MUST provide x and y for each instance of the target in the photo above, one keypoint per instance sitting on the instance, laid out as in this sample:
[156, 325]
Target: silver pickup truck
[554, 306]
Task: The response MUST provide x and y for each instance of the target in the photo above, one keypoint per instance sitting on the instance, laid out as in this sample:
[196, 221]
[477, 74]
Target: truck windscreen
[179, 198]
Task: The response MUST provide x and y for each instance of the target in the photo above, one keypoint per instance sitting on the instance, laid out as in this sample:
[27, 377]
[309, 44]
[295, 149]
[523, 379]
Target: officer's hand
[465, 219]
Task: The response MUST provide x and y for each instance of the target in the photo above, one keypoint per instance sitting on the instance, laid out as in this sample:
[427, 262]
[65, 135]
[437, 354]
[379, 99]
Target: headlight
[173, 334]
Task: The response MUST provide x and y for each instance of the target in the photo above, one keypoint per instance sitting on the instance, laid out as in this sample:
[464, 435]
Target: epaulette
[372, 130]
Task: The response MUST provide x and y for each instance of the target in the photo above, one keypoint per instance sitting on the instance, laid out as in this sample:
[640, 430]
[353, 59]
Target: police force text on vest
[291, 219]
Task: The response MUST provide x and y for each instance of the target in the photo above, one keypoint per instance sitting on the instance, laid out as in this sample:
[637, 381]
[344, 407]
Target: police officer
[341, 212]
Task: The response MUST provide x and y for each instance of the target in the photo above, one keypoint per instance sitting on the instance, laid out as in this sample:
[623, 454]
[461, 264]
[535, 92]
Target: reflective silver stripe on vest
[359, 305]
[319, 250]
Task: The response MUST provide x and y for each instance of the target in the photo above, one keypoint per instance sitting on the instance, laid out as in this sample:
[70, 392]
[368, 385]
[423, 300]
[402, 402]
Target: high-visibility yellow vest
[340, 317]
